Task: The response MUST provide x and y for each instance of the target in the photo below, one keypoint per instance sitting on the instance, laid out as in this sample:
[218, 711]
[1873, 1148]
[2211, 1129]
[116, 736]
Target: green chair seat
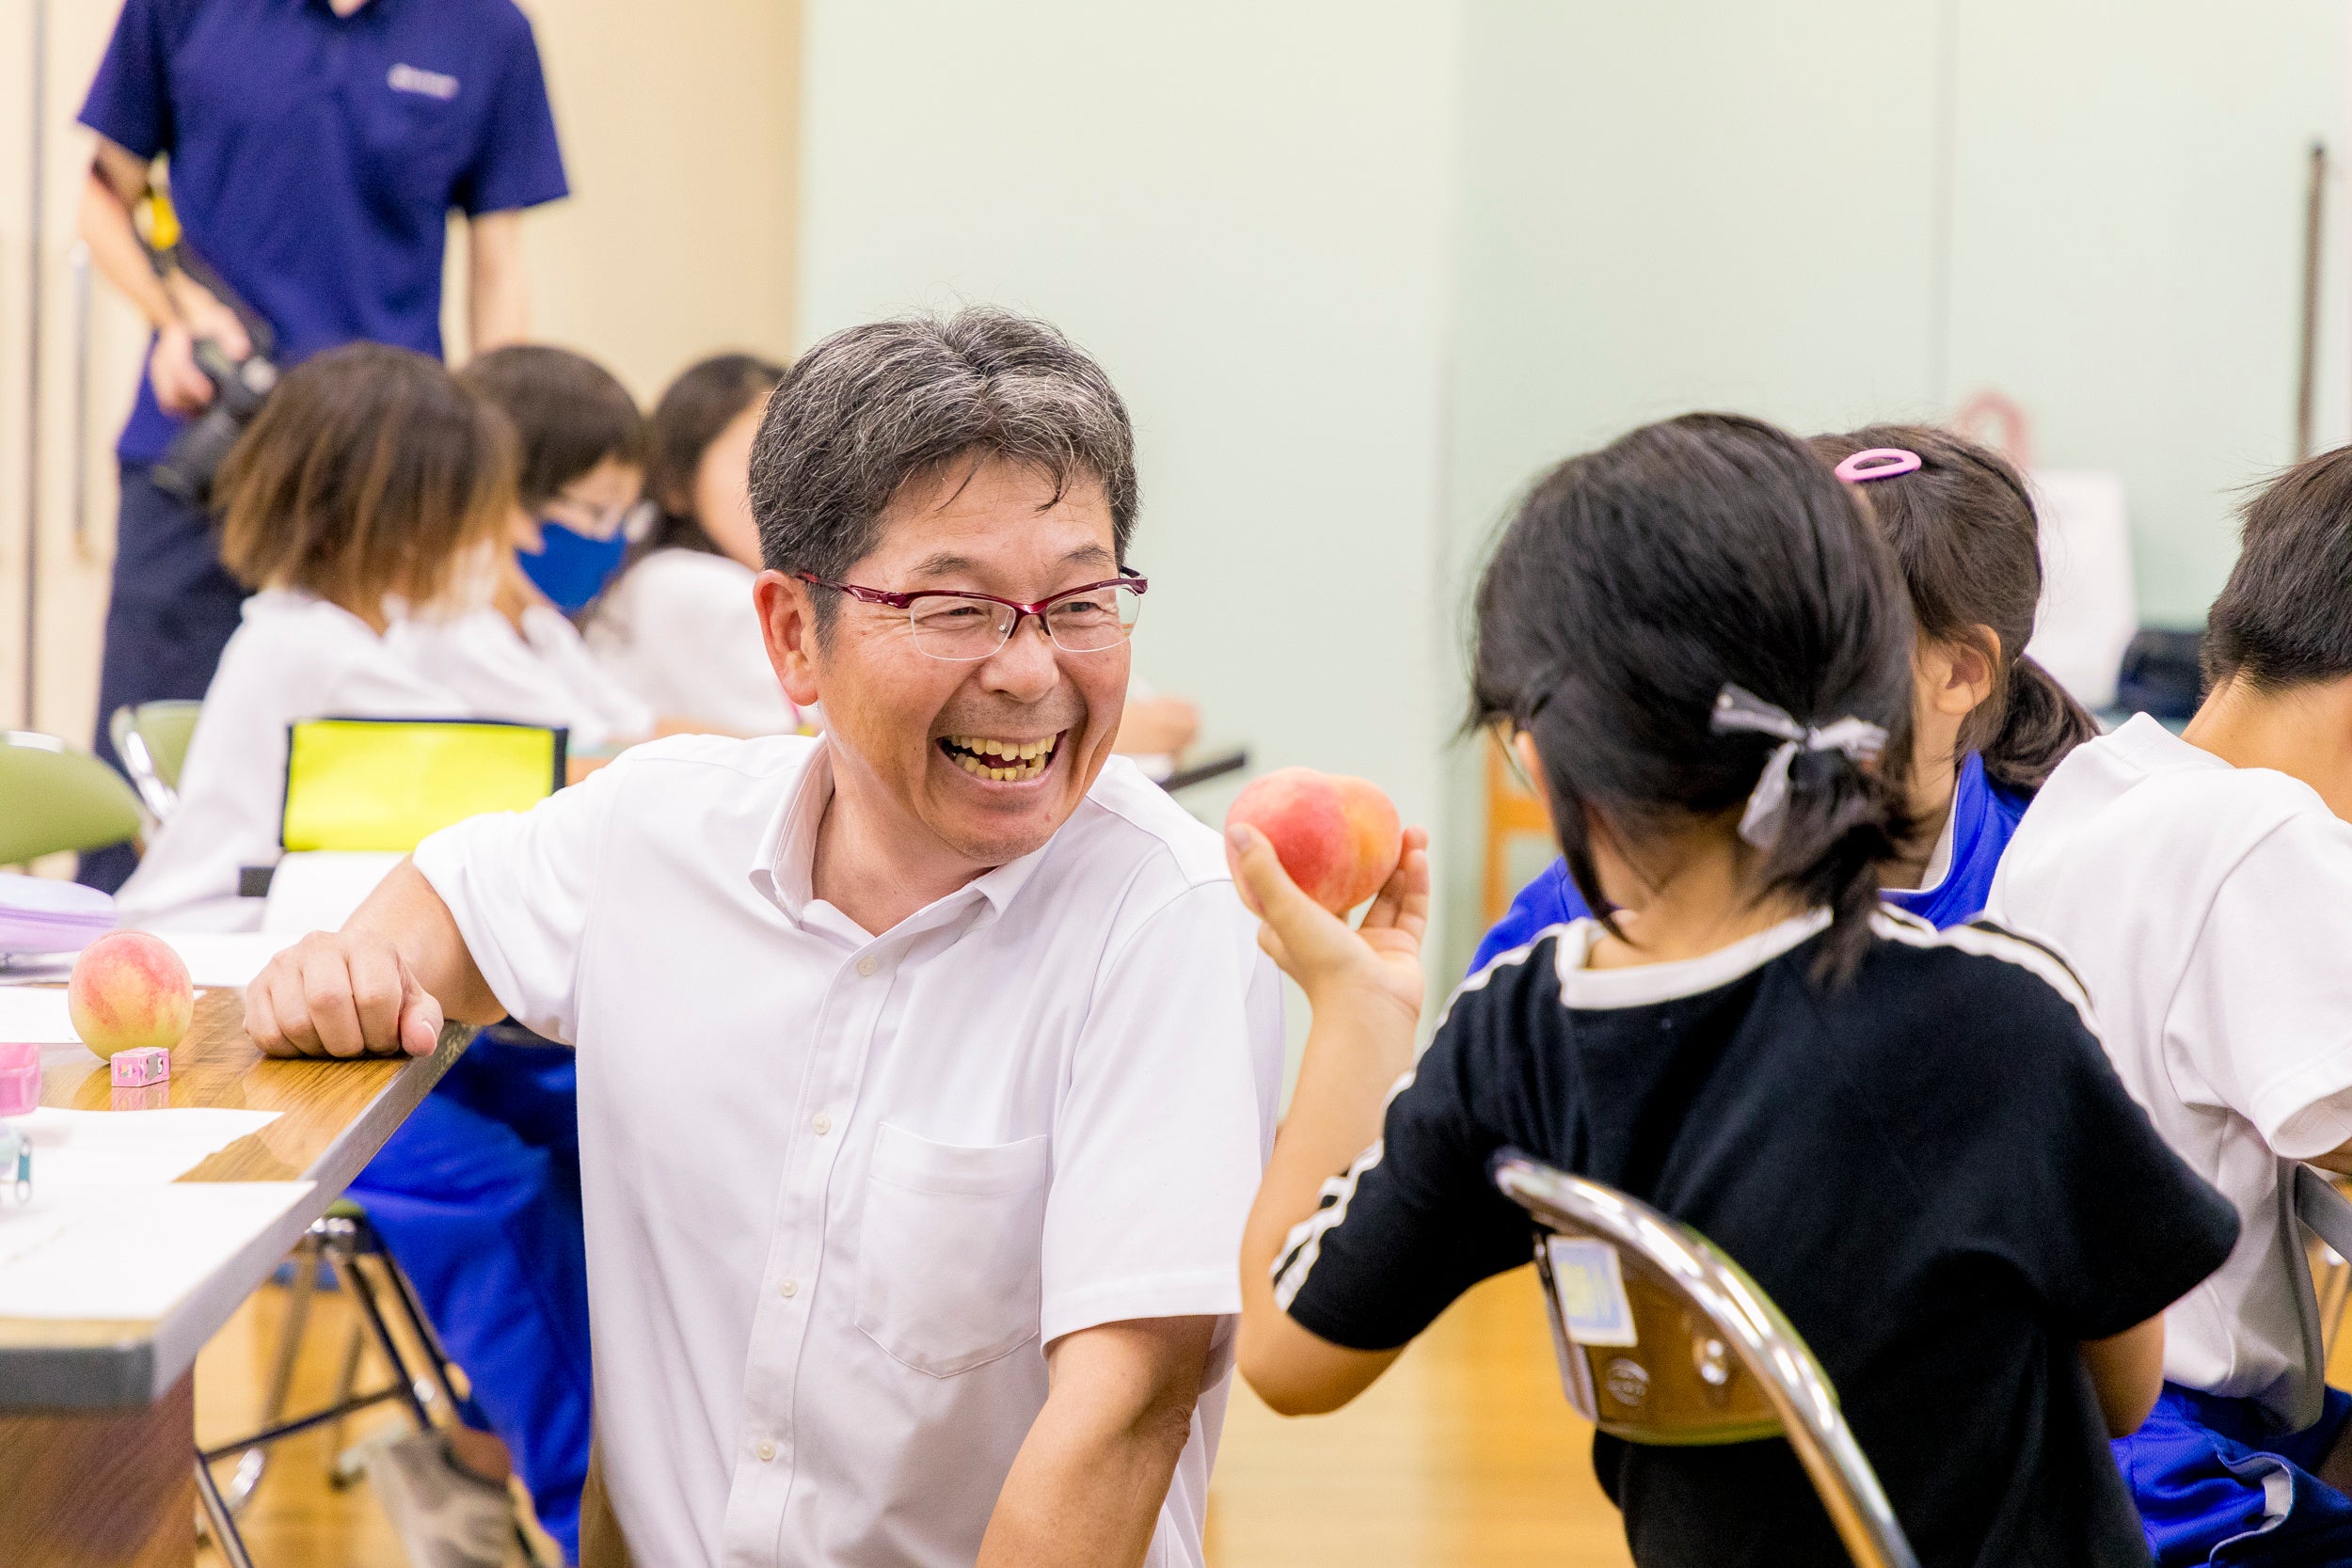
[152, 741]
[54, 798]
[165, 726]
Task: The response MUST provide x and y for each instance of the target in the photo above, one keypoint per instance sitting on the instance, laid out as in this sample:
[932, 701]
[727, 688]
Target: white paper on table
[228, 959]
[317, 890]
[132, 1253]
[76, 1153]
[36, 1015]
[37, 968]
[215, 959]
[2090, 603]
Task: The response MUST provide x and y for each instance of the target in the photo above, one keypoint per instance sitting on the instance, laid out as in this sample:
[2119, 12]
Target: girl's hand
[1333, 964]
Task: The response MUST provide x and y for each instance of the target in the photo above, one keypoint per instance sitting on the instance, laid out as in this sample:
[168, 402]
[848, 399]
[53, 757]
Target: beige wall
[679, 130]
[680, 127]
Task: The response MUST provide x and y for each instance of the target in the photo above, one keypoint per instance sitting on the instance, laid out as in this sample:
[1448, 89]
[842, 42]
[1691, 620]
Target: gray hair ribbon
[1738, 710]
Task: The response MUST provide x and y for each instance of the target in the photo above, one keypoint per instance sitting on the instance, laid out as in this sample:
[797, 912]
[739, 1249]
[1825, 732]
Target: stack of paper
[108, 1232]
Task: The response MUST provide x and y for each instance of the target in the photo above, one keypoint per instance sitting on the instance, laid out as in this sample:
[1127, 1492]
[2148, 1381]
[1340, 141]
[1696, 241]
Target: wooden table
[97, 1419]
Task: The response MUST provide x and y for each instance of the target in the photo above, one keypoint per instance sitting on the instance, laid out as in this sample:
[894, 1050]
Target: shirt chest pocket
[949, 1255]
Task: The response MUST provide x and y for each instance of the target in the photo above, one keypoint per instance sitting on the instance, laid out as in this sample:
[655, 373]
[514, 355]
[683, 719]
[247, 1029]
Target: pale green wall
[1363, 269]
[1854, 210]
[2127, 249]
[1241, 210]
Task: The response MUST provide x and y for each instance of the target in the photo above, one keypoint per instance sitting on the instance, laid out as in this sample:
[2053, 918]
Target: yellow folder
[385, 784]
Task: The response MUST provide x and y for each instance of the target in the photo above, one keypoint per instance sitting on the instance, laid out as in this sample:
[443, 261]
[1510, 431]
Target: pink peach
[1338, 838]
[129, 991]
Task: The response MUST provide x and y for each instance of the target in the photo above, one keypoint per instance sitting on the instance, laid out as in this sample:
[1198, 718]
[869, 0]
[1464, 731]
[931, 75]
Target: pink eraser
[20, 1078]
[147, 1065]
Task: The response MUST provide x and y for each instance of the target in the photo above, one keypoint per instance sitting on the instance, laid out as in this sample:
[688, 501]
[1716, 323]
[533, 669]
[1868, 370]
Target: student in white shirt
[369, 473]
[926, 1068]
[581, 444]
[677, 628]
[2202, 886]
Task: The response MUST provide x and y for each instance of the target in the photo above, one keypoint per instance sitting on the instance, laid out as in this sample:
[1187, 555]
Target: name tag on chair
[1589, 1287]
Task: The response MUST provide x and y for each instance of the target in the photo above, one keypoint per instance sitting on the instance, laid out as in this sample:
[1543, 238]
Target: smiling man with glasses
[927, 1070]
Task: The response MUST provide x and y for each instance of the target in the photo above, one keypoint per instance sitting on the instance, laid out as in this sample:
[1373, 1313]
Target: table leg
[79, 1489]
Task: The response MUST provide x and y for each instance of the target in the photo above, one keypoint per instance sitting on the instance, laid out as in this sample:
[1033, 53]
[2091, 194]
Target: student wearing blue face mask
[1988, 723]
[583, 445]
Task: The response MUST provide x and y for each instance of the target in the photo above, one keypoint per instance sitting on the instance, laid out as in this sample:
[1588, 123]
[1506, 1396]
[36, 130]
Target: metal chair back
[151, 738]
[55, 798]
[2310, 1197]
[1663, 1339]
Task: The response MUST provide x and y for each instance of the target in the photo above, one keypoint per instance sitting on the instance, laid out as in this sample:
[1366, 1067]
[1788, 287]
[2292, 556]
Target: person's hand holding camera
[180, 385]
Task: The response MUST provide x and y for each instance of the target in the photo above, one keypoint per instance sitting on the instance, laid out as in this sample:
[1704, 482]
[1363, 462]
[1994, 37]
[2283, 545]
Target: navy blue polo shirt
[315, 158]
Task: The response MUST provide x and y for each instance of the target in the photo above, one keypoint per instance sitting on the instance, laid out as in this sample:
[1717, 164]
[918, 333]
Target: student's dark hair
[706, 397]
[1635, 583]
[369, 473]
[2283, 618]
[569, 413]
[1965, 535]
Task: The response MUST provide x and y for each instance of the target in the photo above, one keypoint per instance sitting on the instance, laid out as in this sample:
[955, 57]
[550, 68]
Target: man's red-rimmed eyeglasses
[967, 627]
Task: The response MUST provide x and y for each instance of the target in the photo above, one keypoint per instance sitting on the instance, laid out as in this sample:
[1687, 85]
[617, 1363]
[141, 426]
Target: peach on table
[130, 991]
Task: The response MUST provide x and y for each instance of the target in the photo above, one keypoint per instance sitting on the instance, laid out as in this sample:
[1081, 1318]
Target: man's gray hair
[874, 406]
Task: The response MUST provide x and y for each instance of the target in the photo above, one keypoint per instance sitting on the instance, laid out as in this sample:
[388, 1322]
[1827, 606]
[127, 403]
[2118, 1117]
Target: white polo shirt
[540, 675]
[294, 656]
[2208, 910]
[841, 1189]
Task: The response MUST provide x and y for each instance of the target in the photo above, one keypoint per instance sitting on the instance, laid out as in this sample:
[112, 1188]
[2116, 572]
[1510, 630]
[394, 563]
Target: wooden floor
[1465, 1456]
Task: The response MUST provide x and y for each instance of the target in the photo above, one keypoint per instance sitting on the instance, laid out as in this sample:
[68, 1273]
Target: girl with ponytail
[1701, 644]
[1987, 724]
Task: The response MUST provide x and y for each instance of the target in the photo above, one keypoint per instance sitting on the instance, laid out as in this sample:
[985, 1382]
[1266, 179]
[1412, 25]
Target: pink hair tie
[1878, 463]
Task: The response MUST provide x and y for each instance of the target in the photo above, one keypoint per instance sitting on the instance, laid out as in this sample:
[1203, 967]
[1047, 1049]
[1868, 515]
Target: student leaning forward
[2202, 886]
[1910, 1139]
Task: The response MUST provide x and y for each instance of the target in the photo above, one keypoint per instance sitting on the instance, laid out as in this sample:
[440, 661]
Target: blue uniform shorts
[477, 1195]
[2217, 1480]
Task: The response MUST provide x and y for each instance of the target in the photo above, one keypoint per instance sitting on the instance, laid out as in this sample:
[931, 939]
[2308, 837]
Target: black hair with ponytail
[1634, 583]
[1964, 530]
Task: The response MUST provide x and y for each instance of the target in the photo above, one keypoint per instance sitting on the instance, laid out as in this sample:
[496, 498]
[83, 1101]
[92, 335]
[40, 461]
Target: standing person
[1909, 1138]
[1988, 725]
[677, 628]
[315, 151]
[927, 1067]
[2202, 886]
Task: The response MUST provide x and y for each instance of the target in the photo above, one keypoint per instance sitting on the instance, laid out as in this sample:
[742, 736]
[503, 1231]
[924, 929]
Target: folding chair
[2328, 1215]
[151, 738]
[2309, 1197]
[367, 787]
[345, 1241]
[59, 798]
[1664, 1339]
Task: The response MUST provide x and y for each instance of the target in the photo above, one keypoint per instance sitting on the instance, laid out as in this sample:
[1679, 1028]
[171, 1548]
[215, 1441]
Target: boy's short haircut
[2284, 618]
[569, 413]
[369, 473]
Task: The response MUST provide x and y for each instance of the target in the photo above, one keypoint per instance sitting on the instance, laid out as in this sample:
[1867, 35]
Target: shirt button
[789, 1289]
[866, 966]
[820, 1124]
[766, 1451]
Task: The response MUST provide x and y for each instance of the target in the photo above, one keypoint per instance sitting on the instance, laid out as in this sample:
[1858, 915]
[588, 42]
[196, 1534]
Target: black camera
[238, 388]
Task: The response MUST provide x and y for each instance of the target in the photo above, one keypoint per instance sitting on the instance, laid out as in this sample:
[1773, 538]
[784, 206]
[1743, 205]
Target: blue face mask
[572, 568]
